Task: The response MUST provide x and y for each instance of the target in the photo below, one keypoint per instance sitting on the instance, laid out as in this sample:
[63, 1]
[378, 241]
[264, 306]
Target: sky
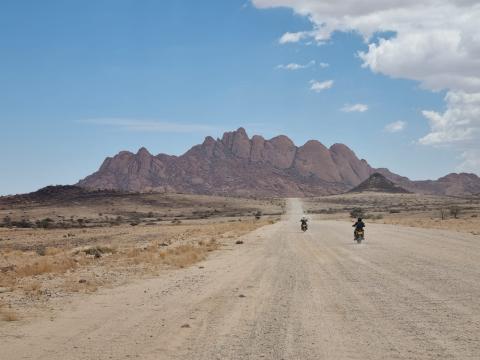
[397, 81]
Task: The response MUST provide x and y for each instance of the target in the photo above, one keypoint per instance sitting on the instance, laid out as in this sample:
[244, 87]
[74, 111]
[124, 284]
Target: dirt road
[405, 294]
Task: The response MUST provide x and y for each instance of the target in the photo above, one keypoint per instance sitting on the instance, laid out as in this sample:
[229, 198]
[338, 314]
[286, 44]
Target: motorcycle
[304, 227]
[359, 235]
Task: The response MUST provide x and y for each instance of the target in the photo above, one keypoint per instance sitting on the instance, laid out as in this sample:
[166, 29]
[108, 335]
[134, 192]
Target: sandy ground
[404, 294]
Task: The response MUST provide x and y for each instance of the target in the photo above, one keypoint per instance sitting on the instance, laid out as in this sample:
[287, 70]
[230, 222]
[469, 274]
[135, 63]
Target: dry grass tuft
[45, 265]
[184, 255]
[179, 256]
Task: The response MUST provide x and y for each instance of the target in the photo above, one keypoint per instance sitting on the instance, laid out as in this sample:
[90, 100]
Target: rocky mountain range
[238, 165]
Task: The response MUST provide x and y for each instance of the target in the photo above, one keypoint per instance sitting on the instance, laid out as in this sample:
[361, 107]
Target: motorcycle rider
[359, 225]
[303, 222]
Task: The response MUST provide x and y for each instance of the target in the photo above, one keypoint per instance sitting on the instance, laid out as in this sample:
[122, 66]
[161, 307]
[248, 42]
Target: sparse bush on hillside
[320, 211]
[24, 223]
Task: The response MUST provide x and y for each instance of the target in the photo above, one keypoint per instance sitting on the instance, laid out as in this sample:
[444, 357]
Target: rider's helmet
[359, 219]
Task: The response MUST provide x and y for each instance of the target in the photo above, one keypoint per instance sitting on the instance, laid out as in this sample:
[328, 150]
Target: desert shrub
[357, 212]
[44, 223]
[98, 251]
[258, 215]
[117, 221]
[41, 250]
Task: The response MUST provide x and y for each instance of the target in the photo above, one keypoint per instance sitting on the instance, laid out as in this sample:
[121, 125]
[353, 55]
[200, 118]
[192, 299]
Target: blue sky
[82, 80]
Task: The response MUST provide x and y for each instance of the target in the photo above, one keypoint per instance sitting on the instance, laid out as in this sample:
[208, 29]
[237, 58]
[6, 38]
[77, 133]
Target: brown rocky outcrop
[379, 183]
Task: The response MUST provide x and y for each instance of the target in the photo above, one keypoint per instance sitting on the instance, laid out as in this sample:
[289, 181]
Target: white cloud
[320, 86]
[289, 37]
[396, 126]
[295, 66]
[470, 161]
[460, 123]
[150, 125]
[355, 108]
[458, 127]
[435, 42]
[324, 65]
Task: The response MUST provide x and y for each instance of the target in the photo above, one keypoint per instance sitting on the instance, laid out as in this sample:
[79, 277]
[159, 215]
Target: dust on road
[404, 294]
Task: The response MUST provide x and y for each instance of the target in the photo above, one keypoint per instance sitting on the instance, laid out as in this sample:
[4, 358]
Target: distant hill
[58, 194]
[379, 183]
[237, 165]
[453, 184]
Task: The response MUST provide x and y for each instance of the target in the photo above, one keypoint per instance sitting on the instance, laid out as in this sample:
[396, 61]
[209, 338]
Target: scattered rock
[241, 296]
[82, 281]
[184, 326]
[239, 242]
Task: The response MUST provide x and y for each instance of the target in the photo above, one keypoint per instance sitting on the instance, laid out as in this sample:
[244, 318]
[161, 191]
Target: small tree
[443, 213]
[455, 211]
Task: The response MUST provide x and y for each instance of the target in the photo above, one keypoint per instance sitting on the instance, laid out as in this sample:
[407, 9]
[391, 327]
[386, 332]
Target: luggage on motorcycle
[359, 235]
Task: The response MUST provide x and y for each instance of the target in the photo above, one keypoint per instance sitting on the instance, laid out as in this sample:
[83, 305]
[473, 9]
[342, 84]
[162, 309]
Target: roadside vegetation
[51, 250]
